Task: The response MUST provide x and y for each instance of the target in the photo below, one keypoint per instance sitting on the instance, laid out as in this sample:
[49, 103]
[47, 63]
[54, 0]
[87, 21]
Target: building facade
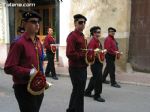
[104, 13]
[129, 17]
[4, 31]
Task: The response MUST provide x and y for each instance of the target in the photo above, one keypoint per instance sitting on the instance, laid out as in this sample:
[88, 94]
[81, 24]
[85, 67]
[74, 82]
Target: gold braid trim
[87, 62]
[29, 88]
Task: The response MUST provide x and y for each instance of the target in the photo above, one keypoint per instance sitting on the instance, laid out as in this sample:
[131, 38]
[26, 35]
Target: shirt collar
[111, 37]
[96, 39]
[79, 32]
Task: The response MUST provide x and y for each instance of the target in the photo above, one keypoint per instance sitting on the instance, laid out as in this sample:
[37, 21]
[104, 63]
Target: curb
[122, 82]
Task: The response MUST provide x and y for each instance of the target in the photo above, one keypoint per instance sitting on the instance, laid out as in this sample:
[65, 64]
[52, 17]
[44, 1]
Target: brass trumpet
[37, 83]
[92, 53]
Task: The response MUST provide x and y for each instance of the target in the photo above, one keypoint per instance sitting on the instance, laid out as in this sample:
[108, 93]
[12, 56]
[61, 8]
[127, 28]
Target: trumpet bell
[90, 57]
[36, 84]
[101, 56]
[53, 48]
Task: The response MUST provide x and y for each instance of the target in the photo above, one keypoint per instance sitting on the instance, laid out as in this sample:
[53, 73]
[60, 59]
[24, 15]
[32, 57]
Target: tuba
[37, 84]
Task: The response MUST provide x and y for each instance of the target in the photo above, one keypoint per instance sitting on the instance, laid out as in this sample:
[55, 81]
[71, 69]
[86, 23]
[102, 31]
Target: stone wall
[105, 13]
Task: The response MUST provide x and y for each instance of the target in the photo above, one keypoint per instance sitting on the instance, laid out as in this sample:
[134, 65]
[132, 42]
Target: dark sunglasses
[111, 31]
[81, 22]
[34, 21]
[98, 32]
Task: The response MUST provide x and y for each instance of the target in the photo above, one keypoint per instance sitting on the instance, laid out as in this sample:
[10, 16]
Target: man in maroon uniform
[112, 49]
[50, 53]
[96, 68]
[24, 59]
[77, 65]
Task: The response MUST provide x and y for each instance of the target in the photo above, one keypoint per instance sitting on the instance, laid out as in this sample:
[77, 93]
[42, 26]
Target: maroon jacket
[22, 55]
[94, 43]
[111, 45]
[49, 40]
[76, 42]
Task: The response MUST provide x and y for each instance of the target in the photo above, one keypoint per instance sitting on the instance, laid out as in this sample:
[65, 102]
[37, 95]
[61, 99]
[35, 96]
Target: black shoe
[48, 75]
[99, 99]
[88, 94]
[55, 77]
[70, 110]
[106, 82]
[116, 85]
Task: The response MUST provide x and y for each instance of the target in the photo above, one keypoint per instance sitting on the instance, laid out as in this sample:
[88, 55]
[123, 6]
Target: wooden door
[139, 42]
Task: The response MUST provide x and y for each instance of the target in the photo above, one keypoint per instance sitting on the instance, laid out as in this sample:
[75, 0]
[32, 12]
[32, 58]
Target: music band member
[96, 68]
[24, 60]
[112, 51]
[50, 53]
[77, 65]
[20, 31]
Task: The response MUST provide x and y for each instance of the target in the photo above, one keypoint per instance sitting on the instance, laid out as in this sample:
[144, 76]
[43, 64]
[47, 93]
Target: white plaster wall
[65, 8]
[104, 13]
[4, 25]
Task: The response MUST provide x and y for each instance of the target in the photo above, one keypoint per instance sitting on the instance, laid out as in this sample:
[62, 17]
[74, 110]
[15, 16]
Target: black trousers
[50, 65]
[96, 80]
[110, 68]
[78, 78]
[26, 101]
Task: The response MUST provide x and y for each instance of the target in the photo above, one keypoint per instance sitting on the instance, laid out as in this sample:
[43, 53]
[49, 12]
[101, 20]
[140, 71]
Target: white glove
[33, 71]
[104, 51]
[48, 85]
[97, 50]
[117, 52]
